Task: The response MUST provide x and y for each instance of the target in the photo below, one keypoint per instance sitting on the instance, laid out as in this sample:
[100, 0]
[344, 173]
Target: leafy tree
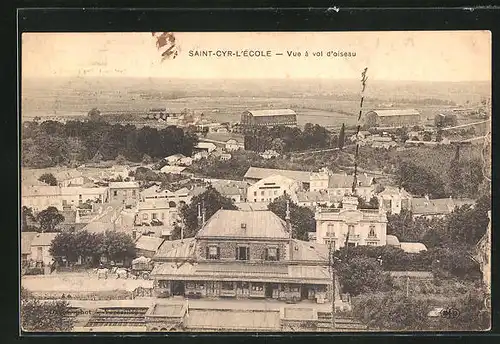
[341, 137]
[392, 311]
[51, 316]
[27, 215]
[48, 178]
[418, 180]
[402, 226]
[362, 275]
[301, 218]
[121, 160]
[212, 201]
[94, 115]
[427, 137]
[49, 219]
[117, 246]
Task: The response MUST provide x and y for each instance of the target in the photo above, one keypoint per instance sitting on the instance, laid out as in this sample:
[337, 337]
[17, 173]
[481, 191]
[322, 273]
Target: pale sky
[409, 55]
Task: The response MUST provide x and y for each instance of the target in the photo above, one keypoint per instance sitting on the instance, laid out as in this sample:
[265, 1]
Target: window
[154, 216]
[242, 253]
[405, 204]
[243, 285]
[162, 284]
[371, 243]
[275, 192]
[115, 193]
[330, 231]
[272, 253]
[133, 193]
[213, 252]
[262, 193]
[350, 228]
[80, 197]
[163, 216]
[372, 234]
[227, 286]
[387, 203]
[257, 287]
[255, 193]
[145, 216]
[330, 243]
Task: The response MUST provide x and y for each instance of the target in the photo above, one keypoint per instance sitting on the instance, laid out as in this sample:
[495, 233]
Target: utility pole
[408, 286]
[332, 270]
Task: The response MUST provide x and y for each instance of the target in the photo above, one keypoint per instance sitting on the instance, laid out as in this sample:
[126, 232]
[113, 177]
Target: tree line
[52, 143]
[289, 139]
[69, 247]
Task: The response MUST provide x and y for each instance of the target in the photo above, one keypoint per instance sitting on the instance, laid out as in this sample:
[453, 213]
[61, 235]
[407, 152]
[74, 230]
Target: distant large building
[392, 118]
[269, 118]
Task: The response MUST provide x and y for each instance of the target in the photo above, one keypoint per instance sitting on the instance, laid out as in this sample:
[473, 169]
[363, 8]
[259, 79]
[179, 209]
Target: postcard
[255, 181]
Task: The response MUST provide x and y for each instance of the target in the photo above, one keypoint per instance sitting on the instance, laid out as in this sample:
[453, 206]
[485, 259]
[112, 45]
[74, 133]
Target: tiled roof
[172, 169]
[317, 196]
[148, 243]
[396, 112]
[253, 206]
[394, 191]
[261, 173]
[244, 224]
[26, 240]
[43, 239]
[273, 112]
[308, 251]
[422, 206]
[123, 185]
[338, 180]
[302, 272]
[177, 249]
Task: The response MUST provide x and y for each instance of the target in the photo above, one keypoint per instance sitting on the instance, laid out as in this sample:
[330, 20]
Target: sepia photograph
[255, 182]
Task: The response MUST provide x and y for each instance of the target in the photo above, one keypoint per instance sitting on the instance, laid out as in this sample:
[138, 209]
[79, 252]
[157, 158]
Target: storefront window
[227, 286]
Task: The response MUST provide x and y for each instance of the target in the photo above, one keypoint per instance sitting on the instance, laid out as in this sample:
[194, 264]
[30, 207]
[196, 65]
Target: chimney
[199, 215]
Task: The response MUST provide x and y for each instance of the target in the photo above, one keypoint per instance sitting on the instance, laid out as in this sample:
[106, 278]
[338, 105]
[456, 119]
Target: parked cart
[142, 267]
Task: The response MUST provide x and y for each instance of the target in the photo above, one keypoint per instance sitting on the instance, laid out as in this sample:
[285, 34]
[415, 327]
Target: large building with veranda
[269, 118]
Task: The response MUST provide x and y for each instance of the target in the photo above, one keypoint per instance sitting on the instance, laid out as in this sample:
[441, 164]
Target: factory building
[392, 118]
[269, 118]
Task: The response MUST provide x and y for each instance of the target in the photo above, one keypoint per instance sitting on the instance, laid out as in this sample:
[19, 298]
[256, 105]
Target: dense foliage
[301, 218]
[115, 246]
[52, 143]
[395, 311]
[37, 316]
[287, 139]
[49, 219]
[362, 274]
[211, 201]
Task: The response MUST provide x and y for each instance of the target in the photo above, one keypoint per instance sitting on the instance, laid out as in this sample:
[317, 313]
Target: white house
[269, 154]
[393, 199]
[40, 197]
[200, 155]
[174, 159]
[40, 246]
[172, 169]
[225, 157]
[157, 209]
[233, 145]
[270, 188]
[208, 147]
[340, 184]
[365, 226]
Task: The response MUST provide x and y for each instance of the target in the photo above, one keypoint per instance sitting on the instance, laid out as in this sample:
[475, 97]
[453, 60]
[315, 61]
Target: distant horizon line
[247, 79]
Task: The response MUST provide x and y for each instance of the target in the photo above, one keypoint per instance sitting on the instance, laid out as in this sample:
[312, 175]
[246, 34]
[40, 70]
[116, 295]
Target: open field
[324, 102]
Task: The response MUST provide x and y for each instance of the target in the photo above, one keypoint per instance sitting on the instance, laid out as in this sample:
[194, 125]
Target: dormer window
[213, 252]
[272, 254]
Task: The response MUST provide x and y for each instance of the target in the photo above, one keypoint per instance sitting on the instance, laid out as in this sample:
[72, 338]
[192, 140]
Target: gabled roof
[43, 239]
[317, 196]
[422, 206]
[123, 185]
[273, 112]
[261, 173]
[394, 191]
[177, 249]
[26, 240]
[277, 179]
[396, 112]
[244, 224]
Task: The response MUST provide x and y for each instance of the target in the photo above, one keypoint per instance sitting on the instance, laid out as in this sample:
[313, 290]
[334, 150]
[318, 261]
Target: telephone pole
[332, 269]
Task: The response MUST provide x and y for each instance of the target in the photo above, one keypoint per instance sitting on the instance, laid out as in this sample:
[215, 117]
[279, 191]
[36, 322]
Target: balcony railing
[352, 236]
